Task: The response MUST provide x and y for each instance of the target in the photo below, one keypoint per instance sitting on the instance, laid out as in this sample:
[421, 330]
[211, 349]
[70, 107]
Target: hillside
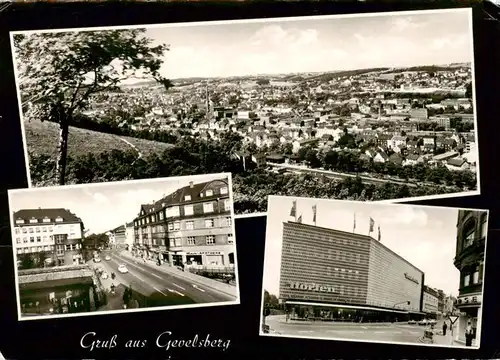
[43, 138]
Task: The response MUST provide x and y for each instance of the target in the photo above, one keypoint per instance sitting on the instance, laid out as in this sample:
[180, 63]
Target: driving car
[107, 258]
[104, 275]
[123, 269]
[97, 259]
[422, 322]
[411, 322]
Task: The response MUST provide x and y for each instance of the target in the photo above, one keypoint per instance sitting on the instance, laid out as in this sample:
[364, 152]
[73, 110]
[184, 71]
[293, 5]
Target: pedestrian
[469, 334]
[445, 326]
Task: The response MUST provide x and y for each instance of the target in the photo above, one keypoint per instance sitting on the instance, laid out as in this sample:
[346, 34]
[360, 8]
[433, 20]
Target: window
[468, 234]
[172, 211]
[189, 225]
[475, 277]
[171, 242]
[59, 219]
[191, 240]
[484, 225]
[147, 220]
[177, 225]
[209, 223]
[33, 221]
[466, 280]
[230, 239]
[223, 190]
[25, 239]
[38, 239]
[210, 240]
[19, 221]
[44, 229]
[208, 207]
[178, 241]
[160, 214]
[188, 210]
[25, 230]
[32, 239]
[170, 226]
[44, 238]
[30, 230]
[187, 198]
[17, 230]
[227, 205]
[18, 240]
[228, 221]
[51, 229]
[209, 192]
[37, 229]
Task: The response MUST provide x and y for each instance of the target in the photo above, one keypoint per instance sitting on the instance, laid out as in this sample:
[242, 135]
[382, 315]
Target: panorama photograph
[363, 107]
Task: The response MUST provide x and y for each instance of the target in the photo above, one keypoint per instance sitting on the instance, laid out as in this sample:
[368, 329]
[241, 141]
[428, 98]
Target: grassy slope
[43, 137]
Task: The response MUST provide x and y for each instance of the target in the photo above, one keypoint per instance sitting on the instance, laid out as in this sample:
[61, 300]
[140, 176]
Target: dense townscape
[365, 134]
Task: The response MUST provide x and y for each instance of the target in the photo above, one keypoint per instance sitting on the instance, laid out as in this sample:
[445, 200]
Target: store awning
[343, 306]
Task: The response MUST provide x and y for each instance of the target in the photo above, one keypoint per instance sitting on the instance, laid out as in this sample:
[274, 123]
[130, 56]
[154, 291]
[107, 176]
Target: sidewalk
[174, 271]
[282, 319]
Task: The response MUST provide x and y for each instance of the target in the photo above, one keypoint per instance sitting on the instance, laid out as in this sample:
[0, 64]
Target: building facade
[192, 226]
[472, 228]
[430, 304]
[66, 289]
[45, 237]
[129, 235]
[347, 271]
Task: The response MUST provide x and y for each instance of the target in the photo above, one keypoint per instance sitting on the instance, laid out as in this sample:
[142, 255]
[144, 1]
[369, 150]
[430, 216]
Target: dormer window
[46, 220]
[33, 221]
[59, 219]
[210, 192]
[19, 221]
[187, 198]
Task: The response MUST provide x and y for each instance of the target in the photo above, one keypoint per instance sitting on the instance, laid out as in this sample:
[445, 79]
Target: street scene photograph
[364, 107]
[138, 245]
[372, 272]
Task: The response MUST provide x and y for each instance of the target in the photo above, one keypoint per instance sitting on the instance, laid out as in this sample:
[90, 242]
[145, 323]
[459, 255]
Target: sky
[425, 236]
[315, 44]
[102, 207]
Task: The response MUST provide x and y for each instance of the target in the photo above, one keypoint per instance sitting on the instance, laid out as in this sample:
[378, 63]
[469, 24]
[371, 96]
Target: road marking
[176, 292]
[415, 332]
[305, 331]
[159, 277]
[379, 332]
[178, 286]
[196, 287]
[161, 292]
[364, 327]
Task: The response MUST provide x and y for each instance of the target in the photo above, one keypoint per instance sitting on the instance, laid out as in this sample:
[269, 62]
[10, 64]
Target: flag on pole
[379, 234]
[372, 224]
[314, 214]
[293, 211]
[299, 220]
[354, 223]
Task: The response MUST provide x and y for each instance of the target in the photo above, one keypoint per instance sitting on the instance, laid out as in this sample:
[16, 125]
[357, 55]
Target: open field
[43, 138]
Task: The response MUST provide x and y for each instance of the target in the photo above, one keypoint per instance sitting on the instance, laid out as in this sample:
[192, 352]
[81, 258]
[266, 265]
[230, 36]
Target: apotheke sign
[311, 287]
[411, 278]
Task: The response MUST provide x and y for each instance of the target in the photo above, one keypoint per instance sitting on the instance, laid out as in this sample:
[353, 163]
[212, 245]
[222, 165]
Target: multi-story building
[47, 237]
[430, 302]
[129, 235]
[472, 228]
[324, 269]
[449, 305]
[191, 226]
[117, 236]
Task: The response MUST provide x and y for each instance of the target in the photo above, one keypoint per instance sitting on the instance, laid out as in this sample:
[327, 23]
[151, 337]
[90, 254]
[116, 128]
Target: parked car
[99, 270]
[422, 322]
[431, 322]
[97, 259]
[104, 275]
[123, 269]
[412, 322]
[107, 258]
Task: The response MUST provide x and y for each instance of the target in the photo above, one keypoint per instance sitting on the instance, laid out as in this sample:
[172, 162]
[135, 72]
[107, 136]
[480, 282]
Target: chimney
[191, 184]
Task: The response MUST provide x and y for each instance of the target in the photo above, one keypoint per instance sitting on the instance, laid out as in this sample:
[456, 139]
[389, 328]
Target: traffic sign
[453, 318]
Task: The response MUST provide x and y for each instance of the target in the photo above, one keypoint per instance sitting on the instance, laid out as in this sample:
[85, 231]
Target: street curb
[188, 278]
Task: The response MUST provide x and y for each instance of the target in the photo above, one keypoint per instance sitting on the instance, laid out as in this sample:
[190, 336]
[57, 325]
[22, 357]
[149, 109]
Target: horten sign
[311, 287]
[411, 278]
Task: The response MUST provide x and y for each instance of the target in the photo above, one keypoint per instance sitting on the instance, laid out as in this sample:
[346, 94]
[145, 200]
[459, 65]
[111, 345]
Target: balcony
[474, 247]
[470, 289]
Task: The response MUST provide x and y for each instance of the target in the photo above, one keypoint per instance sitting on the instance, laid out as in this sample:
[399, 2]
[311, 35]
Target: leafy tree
[59, 72]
